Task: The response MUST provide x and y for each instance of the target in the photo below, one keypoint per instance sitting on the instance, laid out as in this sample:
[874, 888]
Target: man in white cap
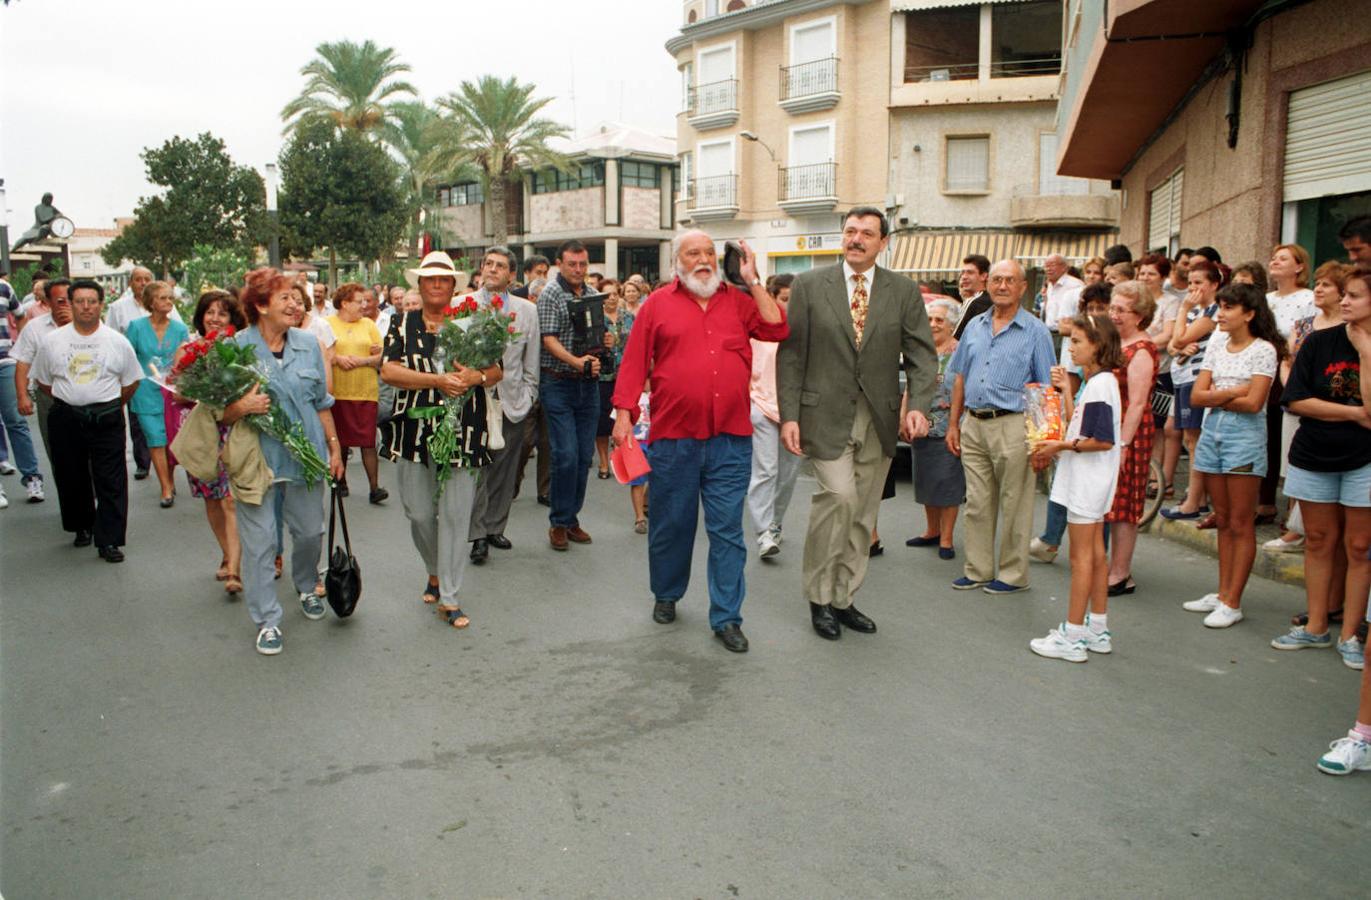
[438, 524]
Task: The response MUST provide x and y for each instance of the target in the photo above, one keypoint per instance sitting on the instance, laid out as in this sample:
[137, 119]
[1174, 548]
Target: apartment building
[1245, 122]
[617, 200]
[941, 111]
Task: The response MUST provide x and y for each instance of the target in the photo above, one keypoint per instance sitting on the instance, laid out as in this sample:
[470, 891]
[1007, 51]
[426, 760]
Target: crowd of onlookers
[1252, 373]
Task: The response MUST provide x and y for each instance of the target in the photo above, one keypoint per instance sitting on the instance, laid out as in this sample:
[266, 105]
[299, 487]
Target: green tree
[208, 200]
[339, 191]
[495, 124]
[416, 133]
[211, 267]
[348, 84]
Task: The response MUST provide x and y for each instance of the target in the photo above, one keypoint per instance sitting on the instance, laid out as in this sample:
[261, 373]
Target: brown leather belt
[990, 413]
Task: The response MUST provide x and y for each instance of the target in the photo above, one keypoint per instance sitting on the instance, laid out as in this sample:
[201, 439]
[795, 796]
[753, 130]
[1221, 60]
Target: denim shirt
[297, 384]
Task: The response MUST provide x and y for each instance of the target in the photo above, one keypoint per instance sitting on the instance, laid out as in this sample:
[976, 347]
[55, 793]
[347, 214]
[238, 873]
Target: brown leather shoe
[577, 533]
[557, 535]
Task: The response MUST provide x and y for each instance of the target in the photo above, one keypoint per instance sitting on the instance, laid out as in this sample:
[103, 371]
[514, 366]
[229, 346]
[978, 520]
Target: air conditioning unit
[940, 75]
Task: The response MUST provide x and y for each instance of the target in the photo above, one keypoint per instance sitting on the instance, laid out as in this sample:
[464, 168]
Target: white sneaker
[4, 501]
[269, 641]
[7, 468]
[1058, 646]
[1204, 604]
[1043, 553]
[1098, 643]
[767, 546]
[776, 535]
[1281, 545]
[1346, 755]
[1222, 617]
[35, 489]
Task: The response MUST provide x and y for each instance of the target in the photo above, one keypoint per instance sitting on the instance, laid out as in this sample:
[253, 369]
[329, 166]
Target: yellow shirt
[354, 339]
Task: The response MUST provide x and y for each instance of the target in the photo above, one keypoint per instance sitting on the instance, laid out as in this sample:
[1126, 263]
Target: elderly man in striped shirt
[998, 354]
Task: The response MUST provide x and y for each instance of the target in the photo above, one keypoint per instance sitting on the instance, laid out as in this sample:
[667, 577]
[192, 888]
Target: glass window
[968, 164]
[443, 196]
[469, 194]
[638, 174]
[584, 175]
[1026, 39]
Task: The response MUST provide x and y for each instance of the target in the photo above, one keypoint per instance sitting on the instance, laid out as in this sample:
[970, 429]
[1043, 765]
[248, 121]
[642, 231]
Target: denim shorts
[1232, 443]
[1344, 488]
[1187, 416]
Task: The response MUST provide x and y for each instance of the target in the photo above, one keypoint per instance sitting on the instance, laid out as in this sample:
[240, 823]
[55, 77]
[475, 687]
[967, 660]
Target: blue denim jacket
[297, 383]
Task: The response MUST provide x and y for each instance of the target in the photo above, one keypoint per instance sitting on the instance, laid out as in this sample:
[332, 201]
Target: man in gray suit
[840, 404]
[517, 391]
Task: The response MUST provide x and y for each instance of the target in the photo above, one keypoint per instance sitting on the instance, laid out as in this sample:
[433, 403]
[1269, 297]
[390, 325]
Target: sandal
[233, 585]
[454, 615]
[222, 573]
[1334, 618]
[280, 563]
[431, 593]
[1209, 521]
[640, 526]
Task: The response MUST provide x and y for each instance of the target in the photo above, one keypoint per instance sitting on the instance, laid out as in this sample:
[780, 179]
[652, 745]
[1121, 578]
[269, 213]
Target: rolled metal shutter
[1328, 139]
[1164, 211]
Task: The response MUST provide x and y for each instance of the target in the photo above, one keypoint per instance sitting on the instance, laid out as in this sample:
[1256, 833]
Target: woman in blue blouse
[156, 338]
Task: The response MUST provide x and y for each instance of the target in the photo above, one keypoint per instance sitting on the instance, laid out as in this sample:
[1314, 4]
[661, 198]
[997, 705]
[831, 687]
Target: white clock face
[62, 227]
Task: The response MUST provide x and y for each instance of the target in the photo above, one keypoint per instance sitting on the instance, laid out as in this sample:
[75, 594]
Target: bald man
[998, 354]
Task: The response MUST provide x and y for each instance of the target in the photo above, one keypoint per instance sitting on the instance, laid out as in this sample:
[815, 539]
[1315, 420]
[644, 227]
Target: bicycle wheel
[1152, 504]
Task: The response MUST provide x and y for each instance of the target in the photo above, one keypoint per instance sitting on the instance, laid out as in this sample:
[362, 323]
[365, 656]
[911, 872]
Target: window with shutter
[968, 164]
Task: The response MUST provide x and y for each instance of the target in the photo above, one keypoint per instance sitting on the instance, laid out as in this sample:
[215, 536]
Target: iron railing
[809, 182]
[942, 72]
[716, 190]
[1017, 68]
[1007, 68]
[715, 97]
[807, 79]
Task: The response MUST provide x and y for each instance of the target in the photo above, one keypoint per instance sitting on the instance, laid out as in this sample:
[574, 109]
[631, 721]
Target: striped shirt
[995, 367]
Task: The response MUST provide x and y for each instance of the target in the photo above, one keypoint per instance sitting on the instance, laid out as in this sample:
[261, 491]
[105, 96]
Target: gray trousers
[774, 470]
[495, 489]
[302, 510]
[438, 526]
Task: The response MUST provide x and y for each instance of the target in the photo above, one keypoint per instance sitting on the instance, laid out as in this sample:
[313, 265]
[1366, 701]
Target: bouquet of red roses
[218, 370]
[474, 337]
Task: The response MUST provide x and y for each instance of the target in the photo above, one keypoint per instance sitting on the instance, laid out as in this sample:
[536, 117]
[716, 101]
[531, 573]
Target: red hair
[258, 287]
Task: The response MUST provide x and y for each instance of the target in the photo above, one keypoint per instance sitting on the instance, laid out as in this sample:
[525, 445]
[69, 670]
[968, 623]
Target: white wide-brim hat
[437, 263]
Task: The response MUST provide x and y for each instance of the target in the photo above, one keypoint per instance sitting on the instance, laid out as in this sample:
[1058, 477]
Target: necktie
[859, 304]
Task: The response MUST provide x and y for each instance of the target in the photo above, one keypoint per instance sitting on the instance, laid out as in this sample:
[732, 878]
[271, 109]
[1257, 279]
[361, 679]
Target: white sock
[1075, 632]
[1098, 624]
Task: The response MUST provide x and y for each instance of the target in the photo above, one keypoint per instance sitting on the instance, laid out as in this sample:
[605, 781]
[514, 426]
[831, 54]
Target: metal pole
[4, 233]
[274, 247]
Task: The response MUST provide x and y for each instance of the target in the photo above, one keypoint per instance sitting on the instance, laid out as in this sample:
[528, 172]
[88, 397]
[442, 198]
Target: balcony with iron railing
[808, 189]
[967, 71]
[712, 197]
[713, 105]
[810, 86]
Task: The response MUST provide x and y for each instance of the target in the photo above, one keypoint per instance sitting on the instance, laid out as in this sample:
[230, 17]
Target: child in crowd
[1086, 478]
[1232, 384]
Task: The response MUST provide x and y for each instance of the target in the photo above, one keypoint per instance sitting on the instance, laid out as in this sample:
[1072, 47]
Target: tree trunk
[332, 270]
[414, 233]
[500, 227]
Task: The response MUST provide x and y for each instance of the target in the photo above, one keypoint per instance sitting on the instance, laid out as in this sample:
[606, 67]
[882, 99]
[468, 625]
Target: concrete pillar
[897, 50]
[611, 266]
[983, 68]
[612, 213]
[666, 266]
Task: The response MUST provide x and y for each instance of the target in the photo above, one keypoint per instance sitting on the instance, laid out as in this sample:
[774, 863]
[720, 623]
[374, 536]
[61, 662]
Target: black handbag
[343, 582]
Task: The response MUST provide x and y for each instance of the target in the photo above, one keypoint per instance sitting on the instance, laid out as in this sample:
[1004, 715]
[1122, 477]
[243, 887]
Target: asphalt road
[566, 746]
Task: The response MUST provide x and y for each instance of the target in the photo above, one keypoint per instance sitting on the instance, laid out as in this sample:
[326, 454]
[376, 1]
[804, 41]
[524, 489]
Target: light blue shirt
[995, 367]
[296, 382]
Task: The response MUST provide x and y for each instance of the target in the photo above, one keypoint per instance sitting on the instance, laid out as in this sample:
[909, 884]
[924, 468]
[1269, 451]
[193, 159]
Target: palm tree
[348, 84]
[415, 132]
[495, 125]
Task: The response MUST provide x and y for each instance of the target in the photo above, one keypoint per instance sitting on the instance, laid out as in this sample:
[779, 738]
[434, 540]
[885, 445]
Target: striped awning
[942, 252]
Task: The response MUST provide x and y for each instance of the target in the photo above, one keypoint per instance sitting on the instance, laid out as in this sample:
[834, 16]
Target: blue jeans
[16, 426]
[572, 408]
[685, 474]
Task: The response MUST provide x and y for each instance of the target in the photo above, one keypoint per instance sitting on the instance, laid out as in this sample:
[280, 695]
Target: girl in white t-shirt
[1087, 473]
[1233, 383]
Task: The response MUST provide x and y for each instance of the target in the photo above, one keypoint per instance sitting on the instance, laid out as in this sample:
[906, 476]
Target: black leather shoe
[825, 625]
[499, 541]
[140, 474]
[875, 550]
[544, 500]
[732, 637]
[111, 554]
[480, 550]
[855, 620]
[83, 539]
[664, 612]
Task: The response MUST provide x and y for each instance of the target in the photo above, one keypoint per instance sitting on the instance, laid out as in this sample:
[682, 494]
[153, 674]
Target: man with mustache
[693, 337]
[838, 379]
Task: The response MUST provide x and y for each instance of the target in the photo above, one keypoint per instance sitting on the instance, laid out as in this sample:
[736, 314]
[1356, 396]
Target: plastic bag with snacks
[1042, 413]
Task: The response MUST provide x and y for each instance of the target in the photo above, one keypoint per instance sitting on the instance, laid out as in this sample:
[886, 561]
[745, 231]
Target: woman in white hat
[438, 524]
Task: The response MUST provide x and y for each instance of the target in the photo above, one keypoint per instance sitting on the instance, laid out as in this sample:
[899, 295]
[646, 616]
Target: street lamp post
[274, 247]
[4, 232]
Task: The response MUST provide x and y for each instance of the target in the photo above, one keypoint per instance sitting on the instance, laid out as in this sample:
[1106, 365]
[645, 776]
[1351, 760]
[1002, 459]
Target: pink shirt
[763, 384]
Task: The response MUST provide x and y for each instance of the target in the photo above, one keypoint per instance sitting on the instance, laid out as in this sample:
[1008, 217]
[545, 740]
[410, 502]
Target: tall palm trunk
[500, 227]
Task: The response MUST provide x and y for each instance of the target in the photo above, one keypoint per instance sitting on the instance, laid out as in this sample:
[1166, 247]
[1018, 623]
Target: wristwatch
[483, 377]
[755, 282]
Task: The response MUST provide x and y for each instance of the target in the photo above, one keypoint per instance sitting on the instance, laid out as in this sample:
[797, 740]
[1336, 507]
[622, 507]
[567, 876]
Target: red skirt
[355, 421]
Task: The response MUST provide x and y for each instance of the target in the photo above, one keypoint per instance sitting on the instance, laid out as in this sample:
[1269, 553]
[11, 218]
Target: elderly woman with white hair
[939, 481]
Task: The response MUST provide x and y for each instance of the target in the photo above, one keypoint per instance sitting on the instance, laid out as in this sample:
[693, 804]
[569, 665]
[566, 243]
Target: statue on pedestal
[45, 215]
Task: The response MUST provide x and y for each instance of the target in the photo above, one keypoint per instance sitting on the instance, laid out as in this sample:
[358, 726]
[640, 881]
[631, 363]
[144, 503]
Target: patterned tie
[859, 303]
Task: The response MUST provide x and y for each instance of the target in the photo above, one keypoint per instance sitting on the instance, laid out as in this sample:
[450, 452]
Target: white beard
[704, 288]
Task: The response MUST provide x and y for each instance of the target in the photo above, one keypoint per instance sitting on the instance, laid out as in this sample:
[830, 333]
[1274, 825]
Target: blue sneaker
[1353, 653]
[1298, 638]
[312, 605]
[269, 641]
[999, 587]
[966, 584]
[1174, 514]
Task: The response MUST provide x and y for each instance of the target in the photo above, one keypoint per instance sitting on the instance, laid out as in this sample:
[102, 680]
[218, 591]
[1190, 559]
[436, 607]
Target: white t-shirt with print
[1290, 308]
[1085, 482]
[1229, 370]
[86, 368]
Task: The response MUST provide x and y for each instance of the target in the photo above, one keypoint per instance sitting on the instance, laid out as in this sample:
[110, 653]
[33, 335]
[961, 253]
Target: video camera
[588, 330]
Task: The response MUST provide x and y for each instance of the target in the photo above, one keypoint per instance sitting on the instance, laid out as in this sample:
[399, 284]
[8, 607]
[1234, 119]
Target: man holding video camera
[571, 319]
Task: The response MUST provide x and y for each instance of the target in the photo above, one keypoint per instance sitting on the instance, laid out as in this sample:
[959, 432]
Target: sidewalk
[1287, 568]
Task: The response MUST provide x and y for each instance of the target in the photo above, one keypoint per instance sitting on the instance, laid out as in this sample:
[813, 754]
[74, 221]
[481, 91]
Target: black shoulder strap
[337, 513]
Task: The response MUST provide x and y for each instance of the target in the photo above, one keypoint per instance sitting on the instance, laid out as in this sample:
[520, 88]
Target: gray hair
[502, 251]
[951, 309]
[535, 287]
[681, 238]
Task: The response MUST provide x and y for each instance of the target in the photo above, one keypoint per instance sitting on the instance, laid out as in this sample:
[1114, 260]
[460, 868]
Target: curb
[1287, 568]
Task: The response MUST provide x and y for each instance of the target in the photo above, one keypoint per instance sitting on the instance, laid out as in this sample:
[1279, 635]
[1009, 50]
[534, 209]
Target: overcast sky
[85, 85]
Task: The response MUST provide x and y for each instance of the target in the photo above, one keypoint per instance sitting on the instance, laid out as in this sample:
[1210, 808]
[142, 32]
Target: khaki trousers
[999, 498]
[842, 514]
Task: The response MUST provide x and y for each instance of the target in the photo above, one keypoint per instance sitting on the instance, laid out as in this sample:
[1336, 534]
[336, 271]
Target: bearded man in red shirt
[694, 337]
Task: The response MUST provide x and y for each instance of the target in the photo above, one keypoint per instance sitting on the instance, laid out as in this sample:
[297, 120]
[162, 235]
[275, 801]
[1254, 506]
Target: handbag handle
[336, 512]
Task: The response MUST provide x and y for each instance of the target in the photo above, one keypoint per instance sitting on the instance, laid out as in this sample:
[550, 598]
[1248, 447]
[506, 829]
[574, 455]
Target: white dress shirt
[1063, 298]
